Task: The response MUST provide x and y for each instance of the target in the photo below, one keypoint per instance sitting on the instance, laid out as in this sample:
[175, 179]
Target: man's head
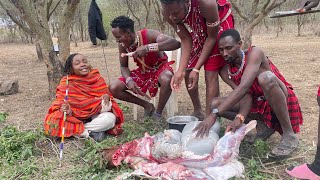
[77, 64]
[123, 30]
[175, 10]
[230, 45]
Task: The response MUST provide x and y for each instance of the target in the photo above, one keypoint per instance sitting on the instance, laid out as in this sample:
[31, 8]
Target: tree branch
[53, 9]
[17, 21]
[132, 11]
[236, 7]
[254, 6]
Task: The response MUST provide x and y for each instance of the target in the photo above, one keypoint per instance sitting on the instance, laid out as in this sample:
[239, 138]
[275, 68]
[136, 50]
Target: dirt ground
[297, 58]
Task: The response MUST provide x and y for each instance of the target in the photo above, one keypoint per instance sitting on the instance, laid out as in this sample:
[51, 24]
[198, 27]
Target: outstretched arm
[165, 43]
[156, 42]
[186, 47]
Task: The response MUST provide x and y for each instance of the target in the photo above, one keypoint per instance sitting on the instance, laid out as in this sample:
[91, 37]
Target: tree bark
[64, 29]
[39, 52]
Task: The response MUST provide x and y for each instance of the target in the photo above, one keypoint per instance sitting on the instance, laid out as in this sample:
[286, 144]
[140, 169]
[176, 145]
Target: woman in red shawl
[90, 107]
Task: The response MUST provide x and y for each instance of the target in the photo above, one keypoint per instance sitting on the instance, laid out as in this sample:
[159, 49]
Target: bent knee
[165, 78]
[116, 86]
[267, 80]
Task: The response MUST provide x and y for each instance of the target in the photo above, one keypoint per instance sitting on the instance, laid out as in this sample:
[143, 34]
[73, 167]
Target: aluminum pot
[178, 122]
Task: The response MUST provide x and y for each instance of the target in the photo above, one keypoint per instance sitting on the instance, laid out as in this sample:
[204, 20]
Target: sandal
[302, 172]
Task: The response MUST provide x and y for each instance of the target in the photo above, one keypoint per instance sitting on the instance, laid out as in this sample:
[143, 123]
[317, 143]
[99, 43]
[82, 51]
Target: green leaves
[18, 154]
[3, 116]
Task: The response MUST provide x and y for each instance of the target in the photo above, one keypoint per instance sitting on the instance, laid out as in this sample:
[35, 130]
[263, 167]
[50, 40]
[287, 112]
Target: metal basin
[178, 122]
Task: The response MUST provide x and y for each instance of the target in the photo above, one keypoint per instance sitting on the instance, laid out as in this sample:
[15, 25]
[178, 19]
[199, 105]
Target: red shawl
[84, 97]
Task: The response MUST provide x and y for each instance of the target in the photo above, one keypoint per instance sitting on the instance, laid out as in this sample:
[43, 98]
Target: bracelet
[214, 24]
[128, 79]
[196, 70]
[154, 47]
[241, 117]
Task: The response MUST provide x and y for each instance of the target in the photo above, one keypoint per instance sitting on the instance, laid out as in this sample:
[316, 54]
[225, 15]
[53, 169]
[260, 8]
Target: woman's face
[80, 65]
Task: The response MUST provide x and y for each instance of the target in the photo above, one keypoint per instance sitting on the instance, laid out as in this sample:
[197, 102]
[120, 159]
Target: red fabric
[198, 26]
[147, 77]
[261, 106]
[84, 97]
[319, 91]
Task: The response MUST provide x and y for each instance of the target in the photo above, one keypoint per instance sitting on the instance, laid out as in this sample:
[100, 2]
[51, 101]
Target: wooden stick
[294, 14]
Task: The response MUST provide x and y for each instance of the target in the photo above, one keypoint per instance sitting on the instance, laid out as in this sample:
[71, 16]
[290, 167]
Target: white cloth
[100, 122]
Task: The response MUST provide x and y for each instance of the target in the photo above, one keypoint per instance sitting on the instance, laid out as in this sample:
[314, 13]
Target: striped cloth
[84, 98]
[260, 104]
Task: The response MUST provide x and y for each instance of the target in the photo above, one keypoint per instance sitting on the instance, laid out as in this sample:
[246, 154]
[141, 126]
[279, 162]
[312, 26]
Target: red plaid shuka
[149, 67]
[84, 98]
[260, 104]
[319, 91]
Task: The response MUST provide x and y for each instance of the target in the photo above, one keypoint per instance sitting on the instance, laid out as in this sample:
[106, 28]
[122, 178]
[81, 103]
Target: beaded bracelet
[128, 79]
[241, 117]
[154, 47]
[214, 24]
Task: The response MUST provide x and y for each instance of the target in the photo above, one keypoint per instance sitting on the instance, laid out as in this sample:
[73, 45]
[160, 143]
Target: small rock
[8, 87]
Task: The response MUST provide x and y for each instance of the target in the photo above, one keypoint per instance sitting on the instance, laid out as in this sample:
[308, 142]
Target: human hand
[106, 98]
[204, 127]
[132, 86]
[176, 80]
[193, 80]
[65, 107]
[234, 125]
[141, 51]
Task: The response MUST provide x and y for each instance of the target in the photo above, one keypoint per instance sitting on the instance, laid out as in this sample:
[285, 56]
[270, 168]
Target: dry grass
[296, 57]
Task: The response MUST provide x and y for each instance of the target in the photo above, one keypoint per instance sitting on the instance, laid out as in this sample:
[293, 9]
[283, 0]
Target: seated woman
[90, 107]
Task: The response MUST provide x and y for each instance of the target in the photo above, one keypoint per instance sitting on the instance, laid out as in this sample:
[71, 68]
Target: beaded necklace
[240, 69]
[134, 45]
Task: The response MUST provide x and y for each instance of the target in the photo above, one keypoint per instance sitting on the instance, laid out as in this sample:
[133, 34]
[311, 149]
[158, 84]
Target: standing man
[198, 23]
[259, 92]
[153, 69]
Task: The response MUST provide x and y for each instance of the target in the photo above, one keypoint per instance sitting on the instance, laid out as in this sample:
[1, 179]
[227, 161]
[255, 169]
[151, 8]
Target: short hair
[171, 1]
[231, 32]
[68, 64]
[123, 22]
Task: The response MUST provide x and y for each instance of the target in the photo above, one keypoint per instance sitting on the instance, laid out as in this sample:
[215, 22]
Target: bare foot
[286, 146]
[199, 114]
[149, 110]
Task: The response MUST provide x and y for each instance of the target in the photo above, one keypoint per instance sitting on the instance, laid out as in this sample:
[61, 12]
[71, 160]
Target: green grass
[23, 153]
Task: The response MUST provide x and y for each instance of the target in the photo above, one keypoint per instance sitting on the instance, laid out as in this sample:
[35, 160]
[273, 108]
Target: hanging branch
[132, 11]
[237, 8]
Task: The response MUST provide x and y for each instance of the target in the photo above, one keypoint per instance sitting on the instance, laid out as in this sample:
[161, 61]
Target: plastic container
[178, 122]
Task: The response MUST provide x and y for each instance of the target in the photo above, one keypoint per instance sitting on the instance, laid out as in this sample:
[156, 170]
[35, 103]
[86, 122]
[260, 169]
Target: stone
[8, 87]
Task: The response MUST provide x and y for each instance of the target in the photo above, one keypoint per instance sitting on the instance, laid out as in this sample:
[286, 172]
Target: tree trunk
[247, 37]
[64, 29]
[39, 52]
